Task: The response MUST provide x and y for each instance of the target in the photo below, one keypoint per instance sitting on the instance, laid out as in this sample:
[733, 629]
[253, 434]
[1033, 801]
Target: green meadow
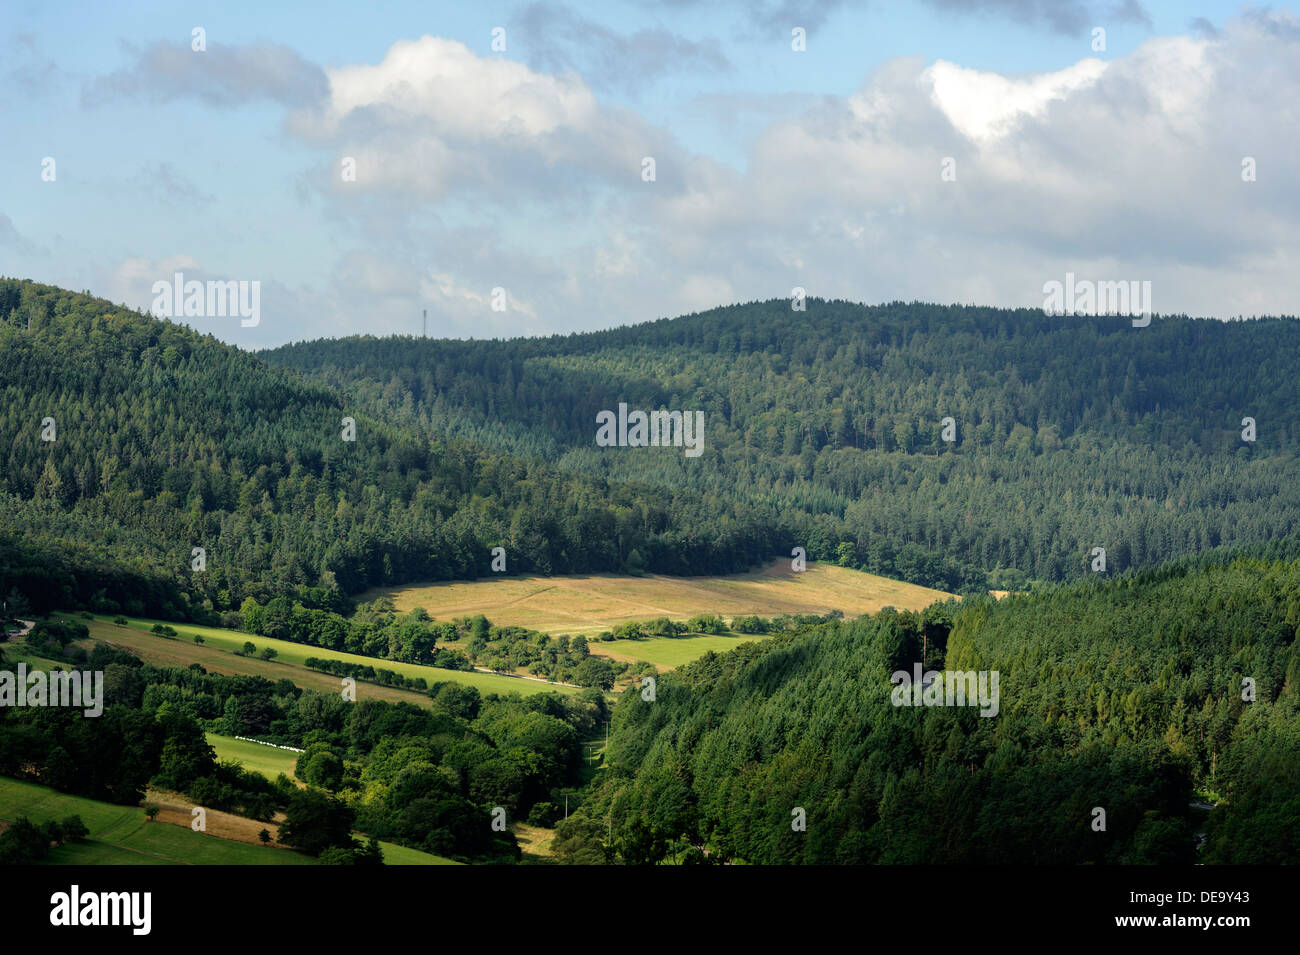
[270, 761]
[121, 835]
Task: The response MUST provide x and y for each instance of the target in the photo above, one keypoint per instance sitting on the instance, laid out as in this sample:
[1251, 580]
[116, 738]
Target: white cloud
[986, 106]
[433, 117]
[476, 171]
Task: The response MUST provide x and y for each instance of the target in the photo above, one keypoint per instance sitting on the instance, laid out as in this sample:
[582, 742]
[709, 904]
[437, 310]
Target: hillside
[1126, 696]
[1069, 433]
[126, 442]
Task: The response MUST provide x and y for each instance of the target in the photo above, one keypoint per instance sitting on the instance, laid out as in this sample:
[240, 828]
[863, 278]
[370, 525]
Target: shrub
[544, 814]
[74, 829]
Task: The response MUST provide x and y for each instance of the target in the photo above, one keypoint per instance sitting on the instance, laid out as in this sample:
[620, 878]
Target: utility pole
[426, 323]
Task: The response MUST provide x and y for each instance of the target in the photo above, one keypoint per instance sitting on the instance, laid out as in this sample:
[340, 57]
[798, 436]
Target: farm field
[120, 835]
[589, 604]
[289, 663]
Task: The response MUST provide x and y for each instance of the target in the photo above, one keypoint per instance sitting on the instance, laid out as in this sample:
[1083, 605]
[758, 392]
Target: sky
[489, 162]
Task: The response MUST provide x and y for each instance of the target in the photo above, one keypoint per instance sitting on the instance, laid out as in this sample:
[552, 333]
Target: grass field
[255, 757]
[594, 603]
[401, 855]
[120, 835]
[290, 660]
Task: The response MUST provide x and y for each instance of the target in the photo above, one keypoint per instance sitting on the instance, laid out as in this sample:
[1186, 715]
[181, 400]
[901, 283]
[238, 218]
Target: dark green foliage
[356, 854]
[315, 821]
[1071, 432]
[1125, 695]
[168, 440]
[73, 829]
[24, 842]
[110, 757]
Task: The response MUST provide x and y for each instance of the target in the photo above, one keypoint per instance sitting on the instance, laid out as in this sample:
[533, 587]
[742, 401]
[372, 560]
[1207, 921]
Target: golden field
[593, 603]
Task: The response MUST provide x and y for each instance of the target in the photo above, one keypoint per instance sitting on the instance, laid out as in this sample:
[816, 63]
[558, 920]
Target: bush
[120, 621]
[162, 630]
[57, 634]
[706, 623]
[198, 638]
[74, 829]
[23, 843]
[544, 814]
[337, 855]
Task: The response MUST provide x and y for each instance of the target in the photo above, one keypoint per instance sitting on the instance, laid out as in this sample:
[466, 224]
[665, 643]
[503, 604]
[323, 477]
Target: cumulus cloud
[476, 172]
[433, 117]
[1129, 170]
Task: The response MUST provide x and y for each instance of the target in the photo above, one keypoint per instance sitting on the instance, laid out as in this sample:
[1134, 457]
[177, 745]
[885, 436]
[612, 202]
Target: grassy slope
[219, 645]
[120, 835]
[270, 761]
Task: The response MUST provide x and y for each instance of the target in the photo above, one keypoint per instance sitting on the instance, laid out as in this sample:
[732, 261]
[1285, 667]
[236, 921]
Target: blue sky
[521, 169]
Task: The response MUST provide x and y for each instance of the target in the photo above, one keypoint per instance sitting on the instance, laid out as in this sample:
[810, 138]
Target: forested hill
[1126, 695]
[163, 440]
[1071, 433]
